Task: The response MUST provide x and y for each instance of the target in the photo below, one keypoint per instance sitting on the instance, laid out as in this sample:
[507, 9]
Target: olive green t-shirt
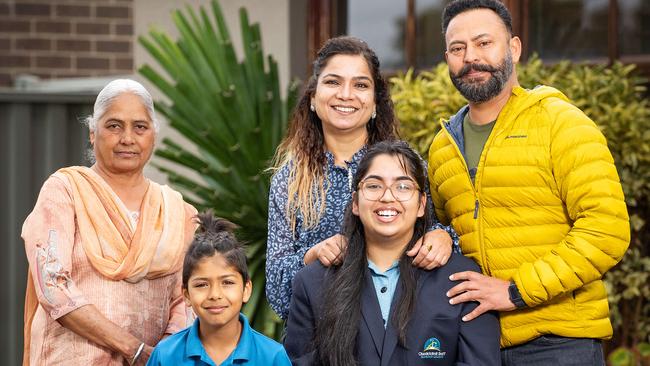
[475, 138]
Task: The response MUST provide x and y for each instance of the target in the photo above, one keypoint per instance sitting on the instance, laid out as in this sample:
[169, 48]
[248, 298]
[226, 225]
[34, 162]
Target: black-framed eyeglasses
[374, 189]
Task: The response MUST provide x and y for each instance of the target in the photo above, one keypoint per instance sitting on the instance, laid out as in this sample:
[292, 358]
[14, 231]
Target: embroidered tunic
[65, 280]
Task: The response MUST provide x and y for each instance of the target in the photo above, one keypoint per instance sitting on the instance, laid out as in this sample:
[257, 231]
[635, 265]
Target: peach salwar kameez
[64, 277]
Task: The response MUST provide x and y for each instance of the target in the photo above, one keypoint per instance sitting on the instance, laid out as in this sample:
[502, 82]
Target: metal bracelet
[137, 353]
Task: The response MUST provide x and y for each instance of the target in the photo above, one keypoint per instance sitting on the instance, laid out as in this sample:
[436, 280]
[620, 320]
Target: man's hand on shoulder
[491, 293]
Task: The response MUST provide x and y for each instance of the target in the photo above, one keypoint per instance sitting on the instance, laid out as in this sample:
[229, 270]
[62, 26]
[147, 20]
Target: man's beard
[477, 91]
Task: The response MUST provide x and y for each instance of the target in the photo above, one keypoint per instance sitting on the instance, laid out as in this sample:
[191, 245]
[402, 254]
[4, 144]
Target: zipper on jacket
[482, 253]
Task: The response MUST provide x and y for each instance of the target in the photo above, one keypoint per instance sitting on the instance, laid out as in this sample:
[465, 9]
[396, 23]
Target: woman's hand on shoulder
[328, 252]
[432, 250]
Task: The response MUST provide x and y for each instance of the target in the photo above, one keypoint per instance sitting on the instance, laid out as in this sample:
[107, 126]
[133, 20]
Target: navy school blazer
[436, 334]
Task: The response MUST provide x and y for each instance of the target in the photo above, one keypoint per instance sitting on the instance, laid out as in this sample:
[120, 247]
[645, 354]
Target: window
[381, 24]
[429, 42]
[634, 30]
[600, 31]
[403, 33]
[407, 33]
[573, 30]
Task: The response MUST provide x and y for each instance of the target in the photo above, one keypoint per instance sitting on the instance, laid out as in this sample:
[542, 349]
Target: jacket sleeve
[300, 325]
[284, 257]
[436, 200]
[589, 186]
[478, 341]
[49, 235]
[435, 224]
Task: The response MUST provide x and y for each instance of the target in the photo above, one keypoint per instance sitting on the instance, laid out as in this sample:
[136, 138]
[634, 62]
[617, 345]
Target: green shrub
[231, 111]
[615, 98]
[420, 101]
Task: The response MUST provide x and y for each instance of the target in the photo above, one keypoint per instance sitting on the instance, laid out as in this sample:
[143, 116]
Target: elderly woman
[105, 246]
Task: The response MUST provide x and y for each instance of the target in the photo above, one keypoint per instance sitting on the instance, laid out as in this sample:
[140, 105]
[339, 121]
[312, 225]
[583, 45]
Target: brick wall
[65, 38]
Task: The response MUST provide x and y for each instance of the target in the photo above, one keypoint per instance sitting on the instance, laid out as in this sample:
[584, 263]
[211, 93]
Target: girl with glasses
[374, 307]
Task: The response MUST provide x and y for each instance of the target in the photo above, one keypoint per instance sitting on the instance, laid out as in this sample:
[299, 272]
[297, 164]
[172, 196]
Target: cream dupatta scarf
[154, 249]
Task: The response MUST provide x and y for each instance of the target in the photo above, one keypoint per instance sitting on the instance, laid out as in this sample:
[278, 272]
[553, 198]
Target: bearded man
[527, 181]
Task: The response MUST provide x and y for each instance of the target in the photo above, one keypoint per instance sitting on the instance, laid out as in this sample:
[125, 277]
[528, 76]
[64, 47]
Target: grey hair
[114, 89]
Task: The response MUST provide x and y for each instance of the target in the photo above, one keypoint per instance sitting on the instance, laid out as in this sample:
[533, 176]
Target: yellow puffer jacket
[547, 211]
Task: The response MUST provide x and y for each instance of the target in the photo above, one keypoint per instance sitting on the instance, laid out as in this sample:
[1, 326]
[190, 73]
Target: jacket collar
[384, 339]
[371, 312]
[455, 127]
[391, 336]
[520, 99]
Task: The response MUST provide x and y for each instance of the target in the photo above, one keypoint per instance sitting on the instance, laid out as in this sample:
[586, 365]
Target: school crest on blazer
[432, 349]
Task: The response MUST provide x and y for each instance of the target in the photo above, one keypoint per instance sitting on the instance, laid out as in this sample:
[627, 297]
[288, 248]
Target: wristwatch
[515, 296]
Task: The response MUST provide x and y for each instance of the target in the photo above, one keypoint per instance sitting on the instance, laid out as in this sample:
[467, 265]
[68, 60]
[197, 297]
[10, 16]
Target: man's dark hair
[460, 6]
[215, 236]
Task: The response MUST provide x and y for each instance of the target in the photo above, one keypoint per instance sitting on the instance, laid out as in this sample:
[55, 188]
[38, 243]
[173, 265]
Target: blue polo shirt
[185, 348]
[385, 284]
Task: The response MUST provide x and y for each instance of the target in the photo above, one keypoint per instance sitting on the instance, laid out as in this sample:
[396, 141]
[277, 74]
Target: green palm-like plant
[232, 112]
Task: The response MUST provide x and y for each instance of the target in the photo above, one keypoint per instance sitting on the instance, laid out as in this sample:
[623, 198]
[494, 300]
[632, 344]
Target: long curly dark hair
[303, 149]
[338, 326]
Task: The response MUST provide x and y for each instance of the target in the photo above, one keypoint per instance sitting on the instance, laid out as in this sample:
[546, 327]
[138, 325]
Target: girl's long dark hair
[337, 329]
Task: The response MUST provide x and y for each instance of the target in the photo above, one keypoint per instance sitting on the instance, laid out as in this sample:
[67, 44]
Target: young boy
[216, 284]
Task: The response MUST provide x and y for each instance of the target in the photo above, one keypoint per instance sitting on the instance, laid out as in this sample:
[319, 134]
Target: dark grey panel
[40, 134]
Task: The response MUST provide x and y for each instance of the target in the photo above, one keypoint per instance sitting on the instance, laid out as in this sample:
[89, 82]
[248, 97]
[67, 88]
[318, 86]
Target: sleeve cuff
[62, 310]
[455, 239]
